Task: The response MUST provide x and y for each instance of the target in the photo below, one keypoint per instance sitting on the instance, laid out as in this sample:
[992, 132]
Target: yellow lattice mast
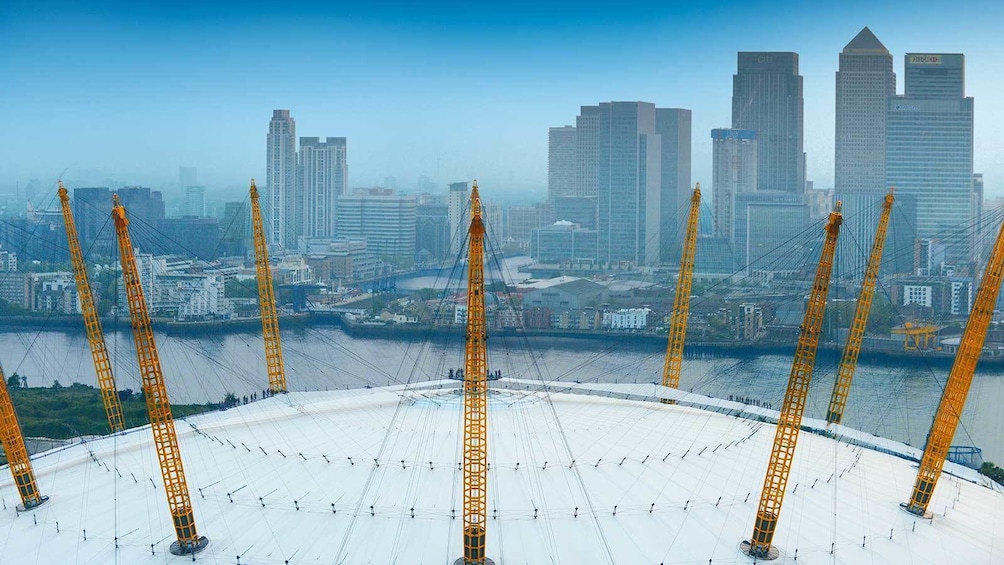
[92, 323]
[475, 396]
[17, 454]
[266, 300]
[852, 349]
[157, 404]
[681, 300]
[790, 419]
[946, 420]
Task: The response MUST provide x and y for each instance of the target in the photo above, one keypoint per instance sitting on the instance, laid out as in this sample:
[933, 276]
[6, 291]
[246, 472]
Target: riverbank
[570, 338]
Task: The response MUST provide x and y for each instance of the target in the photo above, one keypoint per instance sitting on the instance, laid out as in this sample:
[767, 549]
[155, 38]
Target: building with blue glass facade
[929, 151]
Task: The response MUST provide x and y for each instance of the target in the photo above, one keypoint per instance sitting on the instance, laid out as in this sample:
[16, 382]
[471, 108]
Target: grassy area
[62, 412]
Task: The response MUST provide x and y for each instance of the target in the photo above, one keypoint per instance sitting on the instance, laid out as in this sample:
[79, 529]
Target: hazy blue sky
[447, 90]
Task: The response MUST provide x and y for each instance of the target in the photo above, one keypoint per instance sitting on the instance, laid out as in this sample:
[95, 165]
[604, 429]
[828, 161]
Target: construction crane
[852, 349]
[92, 323]
[790, 419]
[475, 396]
[681, 300]
[266, 300]
[158, 406]
[946, 420]
[17, 453]
[917, 336]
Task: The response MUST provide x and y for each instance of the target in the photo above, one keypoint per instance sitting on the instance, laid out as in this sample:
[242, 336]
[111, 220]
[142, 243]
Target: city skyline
[406, 115]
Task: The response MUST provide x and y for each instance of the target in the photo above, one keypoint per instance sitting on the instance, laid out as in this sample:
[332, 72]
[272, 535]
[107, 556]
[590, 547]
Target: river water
[892, 401]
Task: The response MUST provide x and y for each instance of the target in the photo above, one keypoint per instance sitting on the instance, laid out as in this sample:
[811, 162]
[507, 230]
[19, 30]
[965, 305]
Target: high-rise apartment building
[323, 178]
[561, 172]
[629, 186]
[281, 189]
[734, 154]
[673, 125]
[458, 200]
[195, 201]
[767, 98]
[929, 150]
[865, 82]
[384, 219]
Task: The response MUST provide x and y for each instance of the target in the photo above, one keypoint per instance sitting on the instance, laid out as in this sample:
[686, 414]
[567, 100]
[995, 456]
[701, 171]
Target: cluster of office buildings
[625, 167]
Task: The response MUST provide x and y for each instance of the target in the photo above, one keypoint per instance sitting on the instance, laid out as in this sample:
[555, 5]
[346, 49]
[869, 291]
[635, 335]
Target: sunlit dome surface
[581, 474]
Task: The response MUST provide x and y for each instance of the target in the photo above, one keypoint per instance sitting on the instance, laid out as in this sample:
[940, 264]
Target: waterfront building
[929, 150]
[561, 169]
[323, 175]
[385, 220]
[767, 98]
[734, 171]
[564, 243]
[281, 185]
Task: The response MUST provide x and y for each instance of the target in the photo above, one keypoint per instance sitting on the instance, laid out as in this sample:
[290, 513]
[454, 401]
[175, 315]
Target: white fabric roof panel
[685, 481]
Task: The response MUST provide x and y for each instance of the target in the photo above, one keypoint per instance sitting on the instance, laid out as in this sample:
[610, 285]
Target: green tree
[14, 381]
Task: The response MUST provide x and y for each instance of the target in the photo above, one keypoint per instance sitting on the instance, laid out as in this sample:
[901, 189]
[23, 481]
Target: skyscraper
[865, 82]
[629, 184]
[767, 98]
[929, 150]
[561, 162]
[587, 151]
[280, 159]
[188, 176]
[91, 209]
[673, 125]
[323, 178]
[195, 201]
[734, 172]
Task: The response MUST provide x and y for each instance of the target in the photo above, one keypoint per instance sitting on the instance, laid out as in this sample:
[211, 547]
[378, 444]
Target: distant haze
[444, 90]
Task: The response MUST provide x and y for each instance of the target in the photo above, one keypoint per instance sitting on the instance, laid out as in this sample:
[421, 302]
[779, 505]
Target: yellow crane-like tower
[681, 300]
[790, 419]
[92, 323]
[946, 420]
[475, 396]
[158, 406]
[17, 454]
[266, 300]
[852, 349]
